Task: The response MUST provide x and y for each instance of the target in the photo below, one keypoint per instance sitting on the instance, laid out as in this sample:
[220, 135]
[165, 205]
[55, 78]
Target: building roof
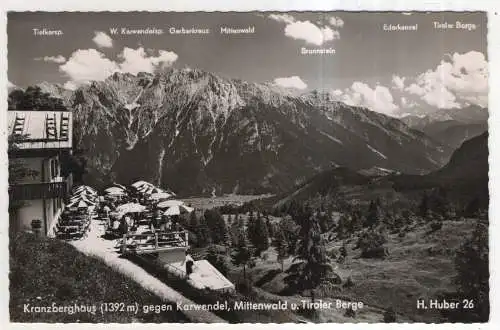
[41, 129]
[204, 275]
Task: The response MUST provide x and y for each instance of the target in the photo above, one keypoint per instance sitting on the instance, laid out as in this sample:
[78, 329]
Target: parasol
[131, 208]
[86, 200]
[85, 189]
[119, 186]
[160, 195]
[178, 209]
[115, 191]
[141, 183]
[167, 204]
[79, 204]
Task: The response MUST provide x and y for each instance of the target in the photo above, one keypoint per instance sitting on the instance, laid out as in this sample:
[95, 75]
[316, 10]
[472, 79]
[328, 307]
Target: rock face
[196, 132]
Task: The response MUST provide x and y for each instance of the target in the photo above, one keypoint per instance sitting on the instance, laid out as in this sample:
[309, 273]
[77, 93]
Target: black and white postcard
[248, 167]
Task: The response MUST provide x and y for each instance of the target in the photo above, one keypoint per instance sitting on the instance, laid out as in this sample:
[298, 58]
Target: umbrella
[131, 208]
[86, 189]
[81, 198]
[151, 190]
[79, 204]
[161, 195]
[115, 191]
[141, 183]
[170, 203]
[83, 195]
[176, 210]
[119, 186]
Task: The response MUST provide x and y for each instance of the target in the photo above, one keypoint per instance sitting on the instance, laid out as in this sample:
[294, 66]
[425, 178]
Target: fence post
[156, 240]
[186, 237]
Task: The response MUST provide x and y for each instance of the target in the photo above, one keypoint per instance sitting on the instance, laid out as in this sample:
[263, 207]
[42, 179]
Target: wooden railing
[30, 191]
[153, 242]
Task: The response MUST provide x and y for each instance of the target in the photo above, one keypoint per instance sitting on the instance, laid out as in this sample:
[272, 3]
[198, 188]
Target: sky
[390, 72]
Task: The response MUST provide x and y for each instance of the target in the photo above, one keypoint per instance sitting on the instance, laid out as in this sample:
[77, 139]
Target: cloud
[102, 40]
[459, 81]
[378, 99]
[316, 34]
[285, 18]
[55, 59]
[336, 21]
[405, 103]
[136, 60]
[86, 65]
[291, 82]
[310, 33]
[398, 82]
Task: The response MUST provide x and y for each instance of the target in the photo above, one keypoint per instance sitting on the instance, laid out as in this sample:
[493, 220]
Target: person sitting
[115, 224]
[156, 221]
[163, 223]
[124, 226]
[168, 225]
[106, 211]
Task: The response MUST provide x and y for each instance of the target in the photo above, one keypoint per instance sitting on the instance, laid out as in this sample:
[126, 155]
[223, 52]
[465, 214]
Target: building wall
[52, 168]
[34, 164]
[34, 209]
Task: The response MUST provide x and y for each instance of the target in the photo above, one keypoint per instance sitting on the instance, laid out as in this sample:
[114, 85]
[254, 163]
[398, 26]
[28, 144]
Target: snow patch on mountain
[331, 137]
[376, 151]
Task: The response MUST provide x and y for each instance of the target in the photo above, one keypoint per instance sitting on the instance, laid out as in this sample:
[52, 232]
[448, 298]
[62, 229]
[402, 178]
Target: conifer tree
[258, 234]
[217, 226]
[423, 208]
[243, 254]
[281, 244]
[472, 265]
[374, 213]
[203, 232]
[311, 264]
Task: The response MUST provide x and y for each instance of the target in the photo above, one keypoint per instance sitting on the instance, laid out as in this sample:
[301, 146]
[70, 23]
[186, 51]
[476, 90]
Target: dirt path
[94, 245]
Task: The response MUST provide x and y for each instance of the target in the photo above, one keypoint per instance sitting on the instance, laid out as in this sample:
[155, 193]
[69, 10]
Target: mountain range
[196, 132]
[465, 177]
[451, 126]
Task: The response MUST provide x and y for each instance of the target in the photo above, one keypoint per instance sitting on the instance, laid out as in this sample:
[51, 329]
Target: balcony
[44, 190]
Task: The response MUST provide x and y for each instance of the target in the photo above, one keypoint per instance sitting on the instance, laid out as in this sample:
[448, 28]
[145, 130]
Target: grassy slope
[47, 271]
[420, 265]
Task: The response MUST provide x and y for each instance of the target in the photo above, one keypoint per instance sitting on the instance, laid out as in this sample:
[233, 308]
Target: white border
[491, 6]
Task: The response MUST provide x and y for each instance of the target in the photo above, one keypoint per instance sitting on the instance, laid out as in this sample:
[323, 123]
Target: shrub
[389, 316]
[371, 244]
[350, 313]
[348, 283]
[307, 312]
[331, 254]
[436, 225]
[244, 286]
